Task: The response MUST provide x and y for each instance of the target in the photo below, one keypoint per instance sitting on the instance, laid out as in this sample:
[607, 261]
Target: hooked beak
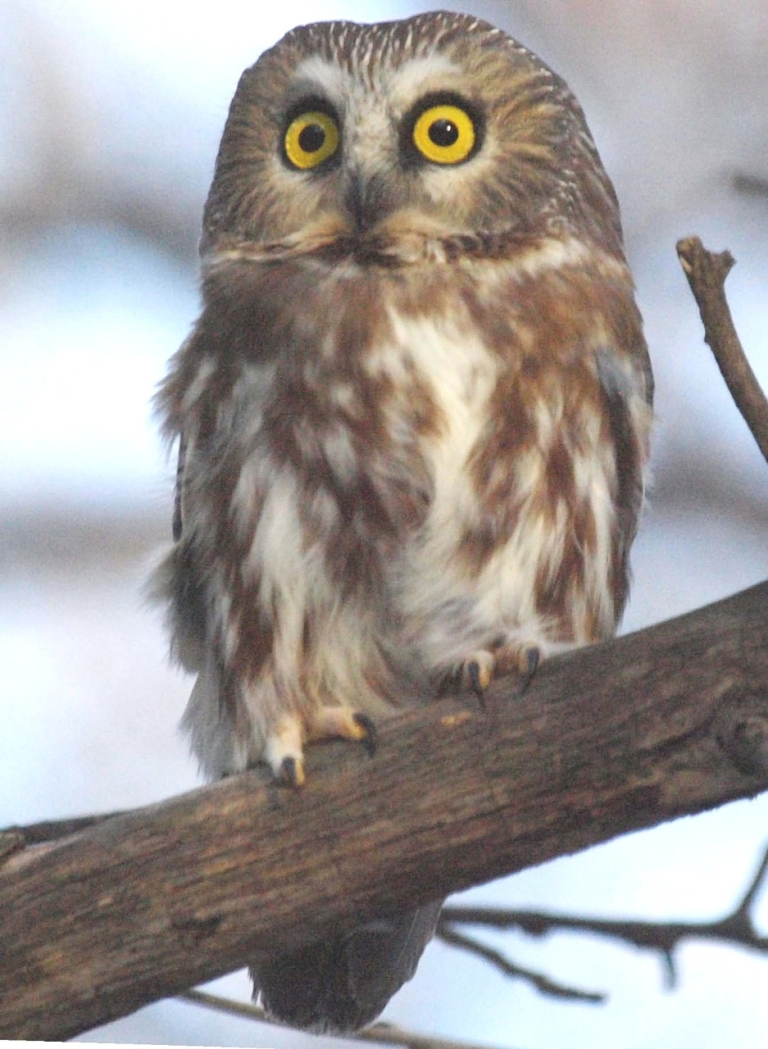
[367, 200]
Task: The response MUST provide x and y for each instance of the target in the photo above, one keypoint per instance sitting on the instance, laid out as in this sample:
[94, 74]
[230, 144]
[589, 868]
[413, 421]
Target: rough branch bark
[625, 735]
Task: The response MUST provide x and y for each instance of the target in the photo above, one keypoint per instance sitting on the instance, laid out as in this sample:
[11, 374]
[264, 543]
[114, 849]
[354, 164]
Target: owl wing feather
[176, 586]
[629, 459]
[177, 526]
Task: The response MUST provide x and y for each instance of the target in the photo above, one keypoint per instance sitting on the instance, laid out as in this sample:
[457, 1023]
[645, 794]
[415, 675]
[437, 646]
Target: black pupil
[443, 132]
[311, 138]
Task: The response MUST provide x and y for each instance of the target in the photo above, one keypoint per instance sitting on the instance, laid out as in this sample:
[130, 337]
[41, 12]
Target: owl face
[438, 124]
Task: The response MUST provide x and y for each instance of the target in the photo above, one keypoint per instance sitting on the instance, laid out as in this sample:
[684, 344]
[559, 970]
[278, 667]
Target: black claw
[368, 726]
[288, 772]
[532, 660]
[473, 671]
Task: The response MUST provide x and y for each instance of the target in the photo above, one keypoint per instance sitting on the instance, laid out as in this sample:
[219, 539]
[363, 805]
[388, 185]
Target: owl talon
[479, 669]
[343, 723]
[283, 752]
[476, 673]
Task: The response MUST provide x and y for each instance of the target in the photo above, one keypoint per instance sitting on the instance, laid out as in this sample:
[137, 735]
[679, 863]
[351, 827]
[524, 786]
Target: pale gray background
[110, 114]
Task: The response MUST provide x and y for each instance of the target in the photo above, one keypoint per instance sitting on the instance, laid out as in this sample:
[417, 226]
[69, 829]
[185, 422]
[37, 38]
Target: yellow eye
[310, 139]
[445, 134]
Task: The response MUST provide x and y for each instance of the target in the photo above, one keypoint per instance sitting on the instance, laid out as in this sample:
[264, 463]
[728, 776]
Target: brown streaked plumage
[413, 415]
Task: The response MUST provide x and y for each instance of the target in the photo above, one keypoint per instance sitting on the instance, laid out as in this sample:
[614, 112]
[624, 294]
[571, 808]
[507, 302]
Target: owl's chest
[387, 404]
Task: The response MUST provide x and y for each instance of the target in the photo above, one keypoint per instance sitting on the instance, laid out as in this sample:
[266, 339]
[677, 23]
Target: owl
[413, 416]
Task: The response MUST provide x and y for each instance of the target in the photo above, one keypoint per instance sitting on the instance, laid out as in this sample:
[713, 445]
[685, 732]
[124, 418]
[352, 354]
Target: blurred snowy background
[110, 115]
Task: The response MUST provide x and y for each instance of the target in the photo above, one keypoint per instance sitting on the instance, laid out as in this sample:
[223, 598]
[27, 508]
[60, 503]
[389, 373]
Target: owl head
[436, 125]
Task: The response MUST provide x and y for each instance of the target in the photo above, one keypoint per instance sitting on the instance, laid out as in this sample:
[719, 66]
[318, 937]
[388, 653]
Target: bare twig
[379, 1034]
[543, 984]
[230, 1006]
[736, 928]
[744, 910]
[706, 272]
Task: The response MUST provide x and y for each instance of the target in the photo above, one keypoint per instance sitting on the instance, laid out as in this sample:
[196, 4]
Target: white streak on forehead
[418, 76]
[401, 85]
[325, 77]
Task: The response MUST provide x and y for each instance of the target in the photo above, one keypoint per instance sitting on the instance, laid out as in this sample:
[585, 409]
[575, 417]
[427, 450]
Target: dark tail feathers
[342, 984]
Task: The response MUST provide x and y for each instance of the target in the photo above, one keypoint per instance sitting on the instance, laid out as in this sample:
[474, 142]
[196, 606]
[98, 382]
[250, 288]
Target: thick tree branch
[669, 721]
[706, 272]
